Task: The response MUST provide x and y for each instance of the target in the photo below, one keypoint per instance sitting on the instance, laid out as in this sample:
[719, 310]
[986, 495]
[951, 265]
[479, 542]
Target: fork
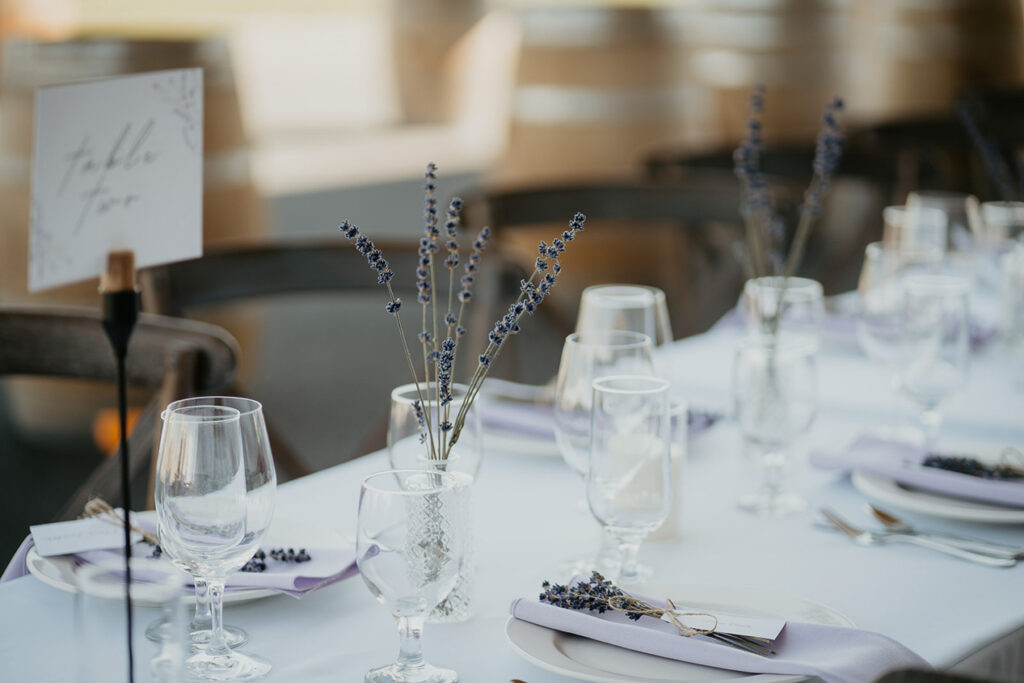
[879, 537]
[895, 524]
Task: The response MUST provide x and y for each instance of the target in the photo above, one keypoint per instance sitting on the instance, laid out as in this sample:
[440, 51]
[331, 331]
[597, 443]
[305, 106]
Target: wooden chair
[238, 273]
[173, 358]
[677, 236]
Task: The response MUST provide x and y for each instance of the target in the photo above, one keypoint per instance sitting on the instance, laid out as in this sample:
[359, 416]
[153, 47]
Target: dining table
[527, 522]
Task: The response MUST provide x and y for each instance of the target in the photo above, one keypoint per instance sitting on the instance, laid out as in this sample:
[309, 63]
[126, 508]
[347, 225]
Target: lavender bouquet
[765, 227]
[441, 328]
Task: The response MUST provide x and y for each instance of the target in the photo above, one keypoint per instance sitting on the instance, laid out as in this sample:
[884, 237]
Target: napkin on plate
[836, 654]
[327, 566]
[537, 420]
[901, 462]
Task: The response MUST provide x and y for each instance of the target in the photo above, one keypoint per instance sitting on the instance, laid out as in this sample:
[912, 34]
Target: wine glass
[260, 483]
[629, 483]
[916, 226]
[635, 308]
[937, 343]
[409, 548]
[784, 306]
[881, 296]
[963, 224]
[204, 514]
[774, 390]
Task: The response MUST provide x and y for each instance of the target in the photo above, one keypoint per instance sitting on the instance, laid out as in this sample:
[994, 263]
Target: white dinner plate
[59, 571]
[590, 660]
[886, 490]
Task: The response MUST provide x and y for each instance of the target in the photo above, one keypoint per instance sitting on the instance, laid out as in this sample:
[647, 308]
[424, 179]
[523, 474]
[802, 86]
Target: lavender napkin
[840, 329]
[902, 463]
[836, 654]
[327, 566]
[537, 420]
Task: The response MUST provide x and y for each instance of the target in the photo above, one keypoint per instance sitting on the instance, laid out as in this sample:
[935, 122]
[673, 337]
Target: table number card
[117, 165]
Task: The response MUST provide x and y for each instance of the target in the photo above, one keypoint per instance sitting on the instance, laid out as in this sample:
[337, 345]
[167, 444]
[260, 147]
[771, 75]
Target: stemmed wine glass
[207, 520]
[774, 389]
[409, 547]
[587, 356]
[629, 483]
[937, 345]
[635, 308]
[260, 484]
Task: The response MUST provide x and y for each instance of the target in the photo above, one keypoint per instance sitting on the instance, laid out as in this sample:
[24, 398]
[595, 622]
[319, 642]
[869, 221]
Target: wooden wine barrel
[599, 88]
[795, 48]
[231, 206]
[594, 87]
[914, 57]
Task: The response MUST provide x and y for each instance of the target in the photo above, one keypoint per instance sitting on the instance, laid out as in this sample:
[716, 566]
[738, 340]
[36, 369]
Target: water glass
[634, 308]
[409, 547]
[587, 356]
[204, 514]
[775, 397]
[100, 601]
[629, 482]
[881, 292]
[915, 228]
[261, 486]
[963, 222]
[1001, 221]
[937, 344]
[776, 305]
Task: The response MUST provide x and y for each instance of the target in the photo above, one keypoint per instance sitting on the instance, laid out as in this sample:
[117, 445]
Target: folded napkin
[901, 462]
[840, 328]
[834, 653]
[327, 566]
[537, 420]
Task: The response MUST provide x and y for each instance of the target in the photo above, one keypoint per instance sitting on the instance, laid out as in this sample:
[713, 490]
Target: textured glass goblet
[409, 546]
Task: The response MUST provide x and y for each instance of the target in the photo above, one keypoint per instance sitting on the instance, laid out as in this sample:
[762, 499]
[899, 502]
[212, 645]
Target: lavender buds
[441, 326]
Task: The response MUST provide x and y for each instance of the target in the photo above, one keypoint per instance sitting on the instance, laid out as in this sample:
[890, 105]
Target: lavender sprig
[443, 359]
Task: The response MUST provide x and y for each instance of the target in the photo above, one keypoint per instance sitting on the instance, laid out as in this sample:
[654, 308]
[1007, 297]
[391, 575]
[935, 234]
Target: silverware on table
[880, 537]
[894, 524]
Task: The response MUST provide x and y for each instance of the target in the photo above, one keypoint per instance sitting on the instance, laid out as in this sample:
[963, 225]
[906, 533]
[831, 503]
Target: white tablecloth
[527, 521]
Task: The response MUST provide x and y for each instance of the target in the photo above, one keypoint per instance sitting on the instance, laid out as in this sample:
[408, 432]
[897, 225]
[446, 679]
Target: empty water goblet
[409, 547]
[774, 392]
[937, 342]
[633, 308]
[629, 482]
[261, 485]
[585, 357]
[204, 516]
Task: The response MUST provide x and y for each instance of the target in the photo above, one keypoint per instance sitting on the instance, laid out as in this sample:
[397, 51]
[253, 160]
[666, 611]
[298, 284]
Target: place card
[78, 536]
[767, 628]
[117, 165]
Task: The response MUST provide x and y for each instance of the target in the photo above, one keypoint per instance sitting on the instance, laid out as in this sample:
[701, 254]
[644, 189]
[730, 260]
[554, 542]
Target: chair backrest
[239, 272]
[174, 358]
[677, 236]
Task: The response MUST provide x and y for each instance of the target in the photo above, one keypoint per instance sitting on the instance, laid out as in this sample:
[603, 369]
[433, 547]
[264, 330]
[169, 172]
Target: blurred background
[318, 111]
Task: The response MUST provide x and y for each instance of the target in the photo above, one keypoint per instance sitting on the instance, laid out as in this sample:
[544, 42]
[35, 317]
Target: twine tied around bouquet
[1012, 459]
[631, 605]
[102, 510]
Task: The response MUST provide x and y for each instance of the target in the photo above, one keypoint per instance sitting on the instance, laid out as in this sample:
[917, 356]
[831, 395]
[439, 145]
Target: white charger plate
[59, 571]
[886, 490]
[589, 660]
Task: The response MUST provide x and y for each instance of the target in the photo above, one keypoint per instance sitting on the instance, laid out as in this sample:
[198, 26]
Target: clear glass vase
[408, 449]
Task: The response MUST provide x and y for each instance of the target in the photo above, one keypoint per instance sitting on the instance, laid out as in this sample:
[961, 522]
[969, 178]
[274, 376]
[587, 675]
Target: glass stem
[218, 644]
[629, 548]
[410, 649]
[771, 478]
[931, 421]
[201, 620]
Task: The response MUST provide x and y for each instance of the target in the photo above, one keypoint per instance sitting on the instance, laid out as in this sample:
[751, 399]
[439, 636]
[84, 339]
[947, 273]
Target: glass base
[157, 631]
[421, 674]
[640, 575]
[779, 505]
[231, 667]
